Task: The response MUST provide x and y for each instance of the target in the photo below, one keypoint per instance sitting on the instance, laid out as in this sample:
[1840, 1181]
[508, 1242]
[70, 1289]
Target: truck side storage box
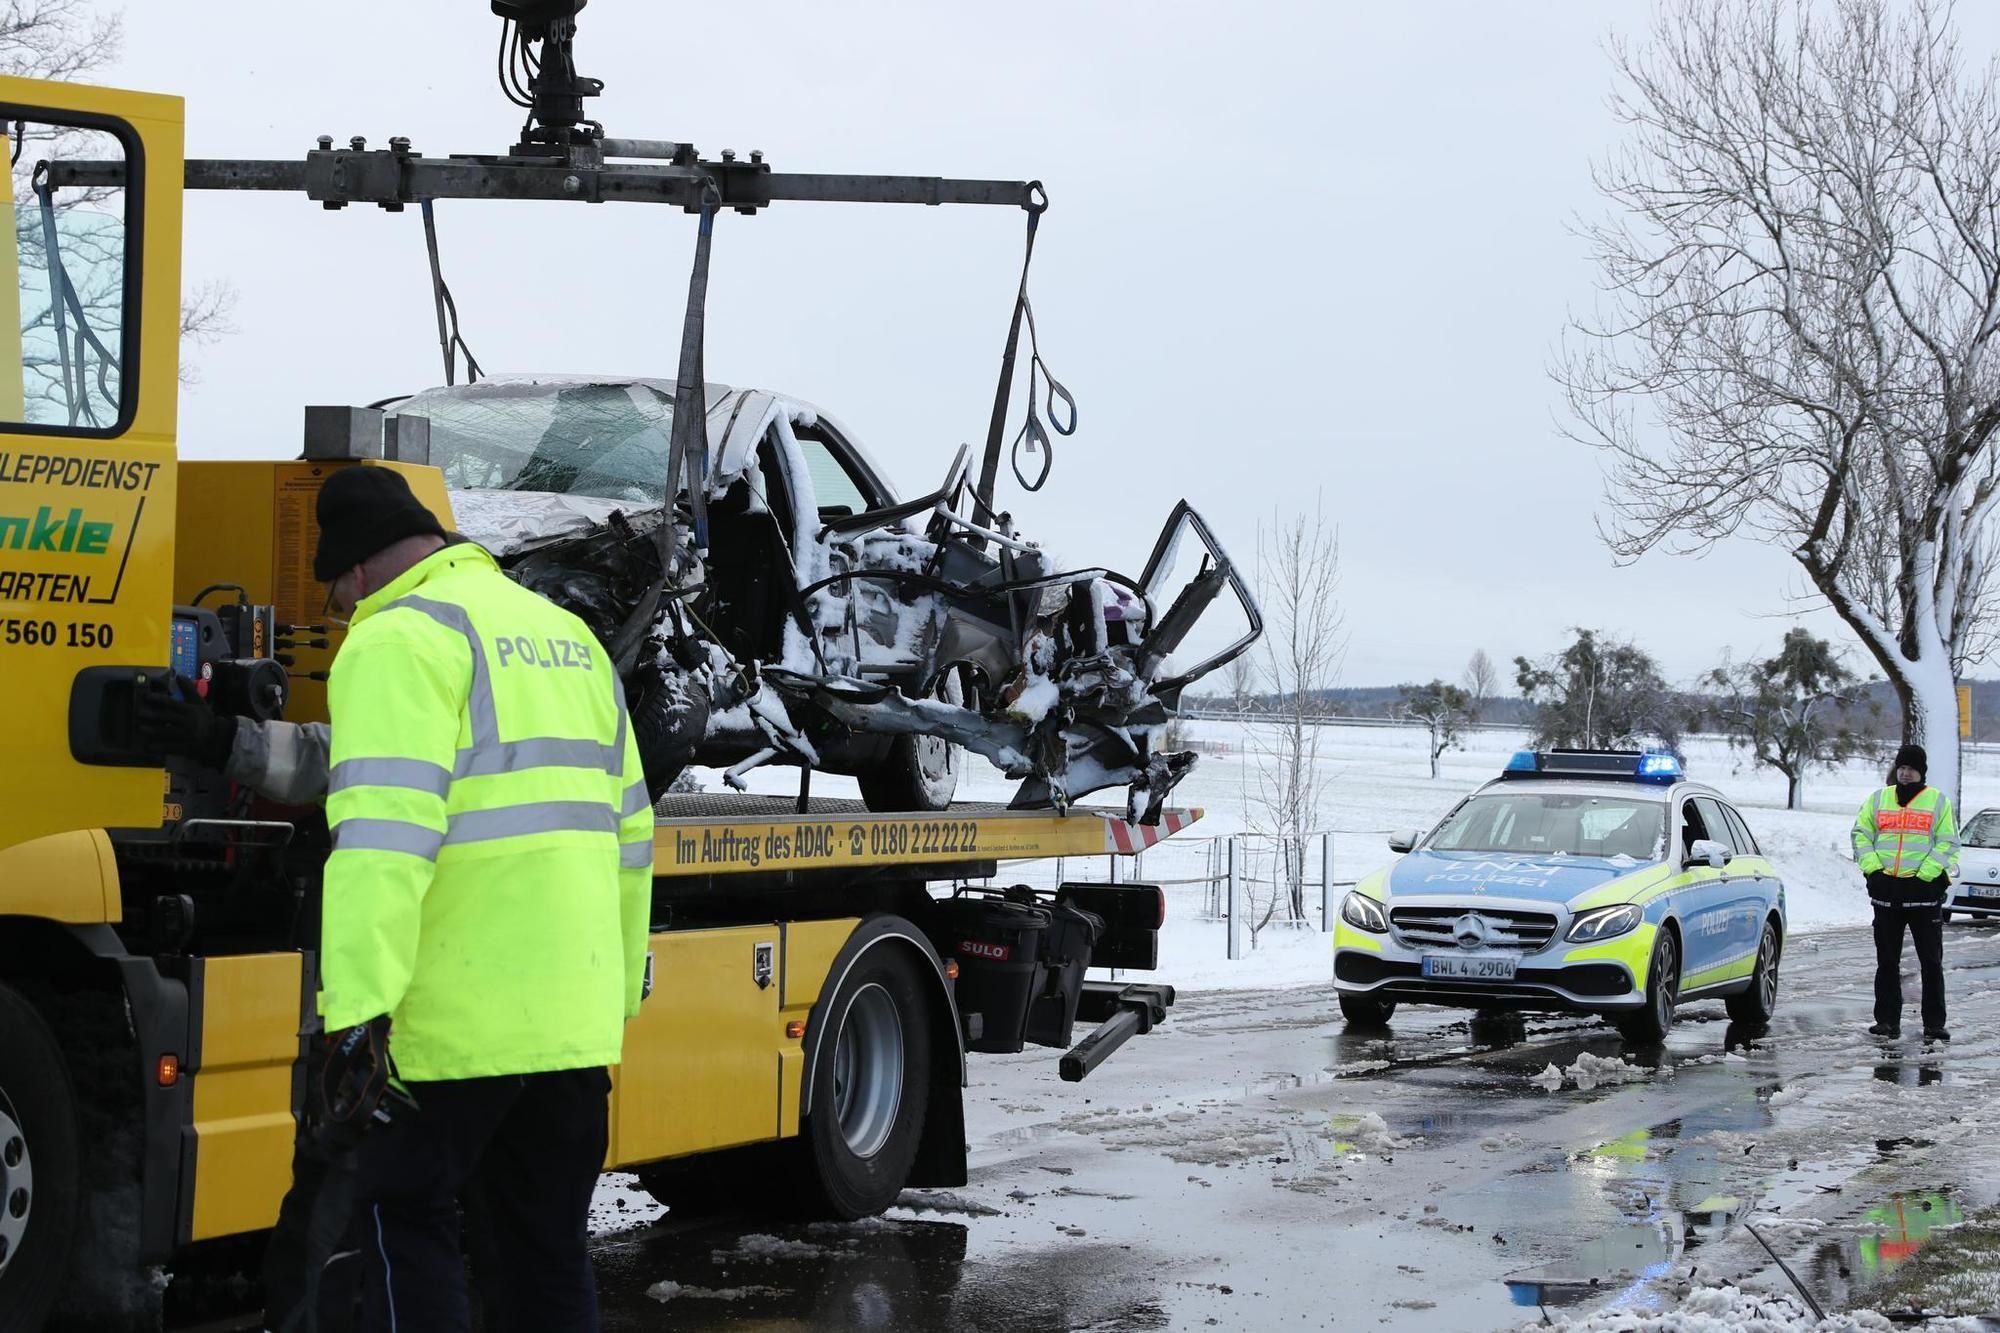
[998, 946]
[1066, 948]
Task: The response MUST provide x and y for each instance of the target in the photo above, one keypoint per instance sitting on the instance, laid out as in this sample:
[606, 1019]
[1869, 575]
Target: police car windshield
[1555, 824]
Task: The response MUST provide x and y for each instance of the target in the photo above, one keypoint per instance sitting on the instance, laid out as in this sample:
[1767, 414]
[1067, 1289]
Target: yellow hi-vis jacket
[1919, 839]
[491, 876]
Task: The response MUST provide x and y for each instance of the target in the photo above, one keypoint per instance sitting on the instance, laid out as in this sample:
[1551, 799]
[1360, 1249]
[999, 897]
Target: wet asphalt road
[1253, 1165]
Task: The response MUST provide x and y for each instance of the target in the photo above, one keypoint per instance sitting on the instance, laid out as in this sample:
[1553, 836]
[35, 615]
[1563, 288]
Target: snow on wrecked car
[796, 610]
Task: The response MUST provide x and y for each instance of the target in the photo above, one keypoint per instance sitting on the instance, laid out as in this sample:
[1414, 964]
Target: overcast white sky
[1293, 250]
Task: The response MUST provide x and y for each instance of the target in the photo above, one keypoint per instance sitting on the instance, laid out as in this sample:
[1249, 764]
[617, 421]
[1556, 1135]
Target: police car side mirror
[1707, 849]
[1404, 840]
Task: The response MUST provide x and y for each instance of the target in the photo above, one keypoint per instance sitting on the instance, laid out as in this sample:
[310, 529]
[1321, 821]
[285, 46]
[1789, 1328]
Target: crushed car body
[798, 611]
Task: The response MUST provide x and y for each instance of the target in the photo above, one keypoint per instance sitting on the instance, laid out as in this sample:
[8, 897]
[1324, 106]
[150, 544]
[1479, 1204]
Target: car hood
[1549, 879]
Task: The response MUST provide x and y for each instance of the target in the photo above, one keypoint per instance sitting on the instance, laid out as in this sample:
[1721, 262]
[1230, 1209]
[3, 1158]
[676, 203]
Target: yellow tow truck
[811, 997]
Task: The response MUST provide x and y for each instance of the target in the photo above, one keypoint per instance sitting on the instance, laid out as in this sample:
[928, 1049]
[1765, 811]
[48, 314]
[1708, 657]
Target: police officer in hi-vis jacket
[1906, 843]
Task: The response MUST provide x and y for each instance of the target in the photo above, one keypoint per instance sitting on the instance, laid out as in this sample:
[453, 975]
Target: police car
[1976, 893]
[1585, 881]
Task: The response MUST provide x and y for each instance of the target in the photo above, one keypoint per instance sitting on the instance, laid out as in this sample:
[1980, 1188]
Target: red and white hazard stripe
[1123, 839]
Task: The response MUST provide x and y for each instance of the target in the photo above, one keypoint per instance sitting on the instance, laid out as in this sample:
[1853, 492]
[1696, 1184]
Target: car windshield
[1983, 829]
[1540, 823]
[603, 440]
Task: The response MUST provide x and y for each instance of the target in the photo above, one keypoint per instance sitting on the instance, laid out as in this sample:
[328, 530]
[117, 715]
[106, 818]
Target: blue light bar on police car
[1523, 761]
[1659, 766]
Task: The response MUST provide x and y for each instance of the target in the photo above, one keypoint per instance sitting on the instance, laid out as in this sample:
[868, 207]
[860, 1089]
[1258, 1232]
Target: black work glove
[187, 726]
[347, 1085]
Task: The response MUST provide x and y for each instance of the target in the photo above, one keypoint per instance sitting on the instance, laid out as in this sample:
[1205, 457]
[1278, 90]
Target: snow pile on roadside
[1365, 1133]
[1589, 1072]
[1730, 1310]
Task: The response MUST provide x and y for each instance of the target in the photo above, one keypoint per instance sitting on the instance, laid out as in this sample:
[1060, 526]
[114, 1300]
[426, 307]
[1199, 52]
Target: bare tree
[1298, 575]
[1794, 711]
[1803, 298]
[1442, 707]
[1480, 680]
[1242, 676]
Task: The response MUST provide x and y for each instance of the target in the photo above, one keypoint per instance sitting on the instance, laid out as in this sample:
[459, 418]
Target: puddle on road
[1866, 1249]
[1622, 1263]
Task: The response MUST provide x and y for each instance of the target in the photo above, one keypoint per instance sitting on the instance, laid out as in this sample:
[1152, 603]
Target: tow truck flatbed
[709, 834]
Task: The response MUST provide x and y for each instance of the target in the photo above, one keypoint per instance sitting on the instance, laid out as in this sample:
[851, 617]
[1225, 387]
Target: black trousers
[1926, 926]
[525, 1151]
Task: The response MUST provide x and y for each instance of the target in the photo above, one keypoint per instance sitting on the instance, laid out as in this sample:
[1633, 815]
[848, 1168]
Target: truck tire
[919, 772]
[1649, 1027]
[870, 1089]
[40, 1167]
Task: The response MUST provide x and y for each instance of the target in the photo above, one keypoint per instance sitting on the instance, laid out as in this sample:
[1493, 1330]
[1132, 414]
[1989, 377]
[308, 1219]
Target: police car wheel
[1760, 1000]
[870, 1089]
[40, 1167]
[1362, 1012]
[1649, 1027]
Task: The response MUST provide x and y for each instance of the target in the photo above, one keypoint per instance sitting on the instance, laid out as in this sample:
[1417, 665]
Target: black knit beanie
[1912, 756]
[363, 510]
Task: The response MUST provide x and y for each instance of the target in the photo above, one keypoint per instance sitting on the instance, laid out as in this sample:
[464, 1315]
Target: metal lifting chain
[1033, 437]
[450, 341]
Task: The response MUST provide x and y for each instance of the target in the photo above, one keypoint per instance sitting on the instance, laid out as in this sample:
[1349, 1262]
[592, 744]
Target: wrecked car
[791, 608]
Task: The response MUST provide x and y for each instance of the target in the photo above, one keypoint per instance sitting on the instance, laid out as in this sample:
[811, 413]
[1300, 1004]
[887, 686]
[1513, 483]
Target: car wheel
[1363, 1012]
[40, 1167]
[870, 1090]
[919, 772]
[1756, 1004]
[1649, 1027]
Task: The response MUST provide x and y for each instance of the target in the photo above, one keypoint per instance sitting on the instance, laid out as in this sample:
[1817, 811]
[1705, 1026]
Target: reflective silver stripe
[411, 774]
[636, 800]
[479, 703]
[513, 821]
[635, 855]
[538, 752]
[617, 764]
[387, 835]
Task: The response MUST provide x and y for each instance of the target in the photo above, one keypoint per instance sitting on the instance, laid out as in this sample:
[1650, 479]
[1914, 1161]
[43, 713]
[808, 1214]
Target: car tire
[41, 1168]
[1649, 1027]
[870, 1090]
[1759, 1001]
[919, 772]
[1362, 1011]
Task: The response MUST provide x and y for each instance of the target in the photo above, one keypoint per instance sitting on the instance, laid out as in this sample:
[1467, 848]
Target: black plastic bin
[1066, 948]
[998, 945]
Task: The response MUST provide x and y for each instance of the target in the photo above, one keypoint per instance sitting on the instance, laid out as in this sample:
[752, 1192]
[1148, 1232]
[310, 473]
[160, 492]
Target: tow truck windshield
[1555, 824]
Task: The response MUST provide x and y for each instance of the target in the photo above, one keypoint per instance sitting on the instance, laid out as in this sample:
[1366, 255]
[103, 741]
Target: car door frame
[1731, 908]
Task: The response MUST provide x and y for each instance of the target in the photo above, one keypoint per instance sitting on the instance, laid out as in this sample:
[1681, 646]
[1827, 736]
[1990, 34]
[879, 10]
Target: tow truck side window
[74, 299]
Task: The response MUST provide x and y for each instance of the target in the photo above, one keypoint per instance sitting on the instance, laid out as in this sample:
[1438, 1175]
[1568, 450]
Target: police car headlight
[1605, 922]
[1364, 913]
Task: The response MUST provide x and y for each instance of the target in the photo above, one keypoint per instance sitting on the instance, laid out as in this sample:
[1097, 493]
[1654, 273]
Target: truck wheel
[1649, 1027]
[40, 1178]
[870, 1089]
[1362, 1012]
[919, 772]
[1756, 1004]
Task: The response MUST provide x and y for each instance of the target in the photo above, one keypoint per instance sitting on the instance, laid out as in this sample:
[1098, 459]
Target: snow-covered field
[1377, 781]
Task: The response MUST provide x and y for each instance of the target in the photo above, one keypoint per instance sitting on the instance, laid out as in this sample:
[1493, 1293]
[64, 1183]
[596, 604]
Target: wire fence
[1246, 881]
